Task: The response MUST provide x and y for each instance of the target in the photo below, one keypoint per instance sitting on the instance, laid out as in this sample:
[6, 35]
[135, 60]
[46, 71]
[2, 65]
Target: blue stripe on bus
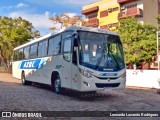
[30, 64]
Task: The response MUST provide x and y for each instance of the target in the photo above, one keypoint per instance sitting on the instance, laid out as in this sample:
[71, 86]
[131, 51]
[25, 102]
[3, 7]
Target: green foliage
[67, 20]
[158, 17]
[139, 41]
[13, 32]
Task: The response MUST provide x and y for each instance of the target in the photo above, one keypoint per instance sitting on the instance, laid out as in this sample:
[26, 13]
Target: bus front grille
[103, 85]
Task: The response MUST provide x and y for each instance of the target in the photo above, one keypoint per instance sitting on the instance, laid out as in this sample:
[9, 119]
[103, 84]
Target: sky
[38, 11]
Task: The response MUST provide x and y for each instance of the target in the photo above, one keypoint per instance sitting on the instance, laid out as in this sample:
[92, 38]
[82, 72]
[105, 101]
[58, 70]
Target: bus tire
[23, 78]
[57, 85]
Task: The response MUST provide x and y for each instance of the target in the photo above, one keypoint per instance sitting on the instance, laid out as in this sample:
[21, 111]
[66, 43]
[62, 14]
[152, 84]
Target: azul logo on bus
[108, 74]
[30, 64]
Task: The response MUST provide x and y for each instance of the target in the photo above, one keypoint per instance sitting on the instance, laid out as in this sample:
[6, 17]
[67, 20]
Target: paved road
[16, 97]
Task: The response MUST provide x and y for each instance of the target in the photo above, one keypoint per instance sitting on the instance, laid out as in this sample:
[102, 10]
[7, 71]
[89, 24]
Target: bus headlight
[85, 73]
[123, 75]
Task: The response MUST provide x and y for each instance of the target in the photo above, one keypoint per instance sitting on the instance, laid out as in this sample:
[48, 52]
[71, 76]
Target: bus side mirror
[75, 34]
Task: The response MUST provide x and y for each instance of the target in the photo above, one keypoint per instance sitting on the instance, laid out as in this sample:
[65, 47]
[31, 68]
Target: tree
[139, 41]
[158, 17]
[67, 20]
[13, 32]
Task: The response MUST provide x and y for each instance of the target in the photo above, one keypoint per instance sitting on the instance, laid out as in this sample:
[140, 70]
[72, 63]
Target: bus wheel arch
[56, 82]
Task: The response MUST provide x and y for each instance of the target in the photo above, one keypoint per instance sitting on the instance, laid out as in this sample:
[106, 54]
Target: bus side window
[40, 49]
[15, 57]
[54, 45]
[26, 52]
[44, 48]
[33, 51]
[20, 54]
[65, 34]
[67, 49]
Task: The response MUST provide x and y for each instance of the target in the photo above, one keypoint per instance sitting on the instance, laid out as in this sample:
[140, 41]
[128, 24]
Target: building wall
[139, 4]
[103, 6]
[112, 16]
[150, 11]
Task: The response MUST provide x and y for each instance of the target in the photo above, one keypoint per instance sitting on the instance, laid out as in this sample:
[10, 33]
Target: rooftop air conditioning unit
[123, 8]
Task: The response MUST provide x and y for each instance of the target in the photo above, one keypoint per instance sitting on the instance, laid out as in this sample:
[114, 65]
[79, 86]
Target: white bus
[78, 58]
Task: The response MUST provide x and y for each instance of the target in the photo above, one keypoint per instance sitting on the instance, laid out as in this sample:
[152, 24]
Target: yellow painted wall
[104, 5]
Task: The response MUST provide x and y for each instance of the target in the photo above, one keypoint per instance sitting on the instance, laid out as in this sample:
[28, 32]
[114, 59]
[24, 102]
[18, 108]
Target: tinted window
[54, 45]
[67, 49]
[67, 46]
[26, 52]
[33, 52]
[40, 49]
[44, 48]
[15, 57]
[101, 51]
[20, 54]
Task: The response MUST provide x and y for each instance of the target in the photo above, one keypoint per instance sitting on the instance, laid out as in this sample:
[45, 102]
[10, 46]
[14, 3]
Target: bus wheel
[24, 82]
[23, 78]
[57, 85]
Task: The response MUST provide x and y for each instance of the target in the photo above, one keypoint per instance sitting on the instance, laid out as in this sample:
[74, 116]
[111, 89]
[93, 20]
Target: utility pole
[158, 59]
[158, 38]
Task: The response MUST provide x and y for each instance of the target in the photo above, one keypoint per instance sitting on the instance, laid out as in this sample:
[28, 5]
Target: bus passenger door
[67, 62]
[75, 81]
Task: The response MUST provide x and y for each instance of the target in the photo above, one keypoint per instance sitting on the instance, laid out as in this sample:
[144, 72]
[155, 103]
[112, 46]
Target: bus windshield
[100, 51]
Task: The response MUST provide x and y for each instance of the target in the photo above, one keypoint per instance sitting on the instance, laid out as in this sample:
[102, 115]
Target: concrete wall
[112, 17]
[145, 78]
[150, 11]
